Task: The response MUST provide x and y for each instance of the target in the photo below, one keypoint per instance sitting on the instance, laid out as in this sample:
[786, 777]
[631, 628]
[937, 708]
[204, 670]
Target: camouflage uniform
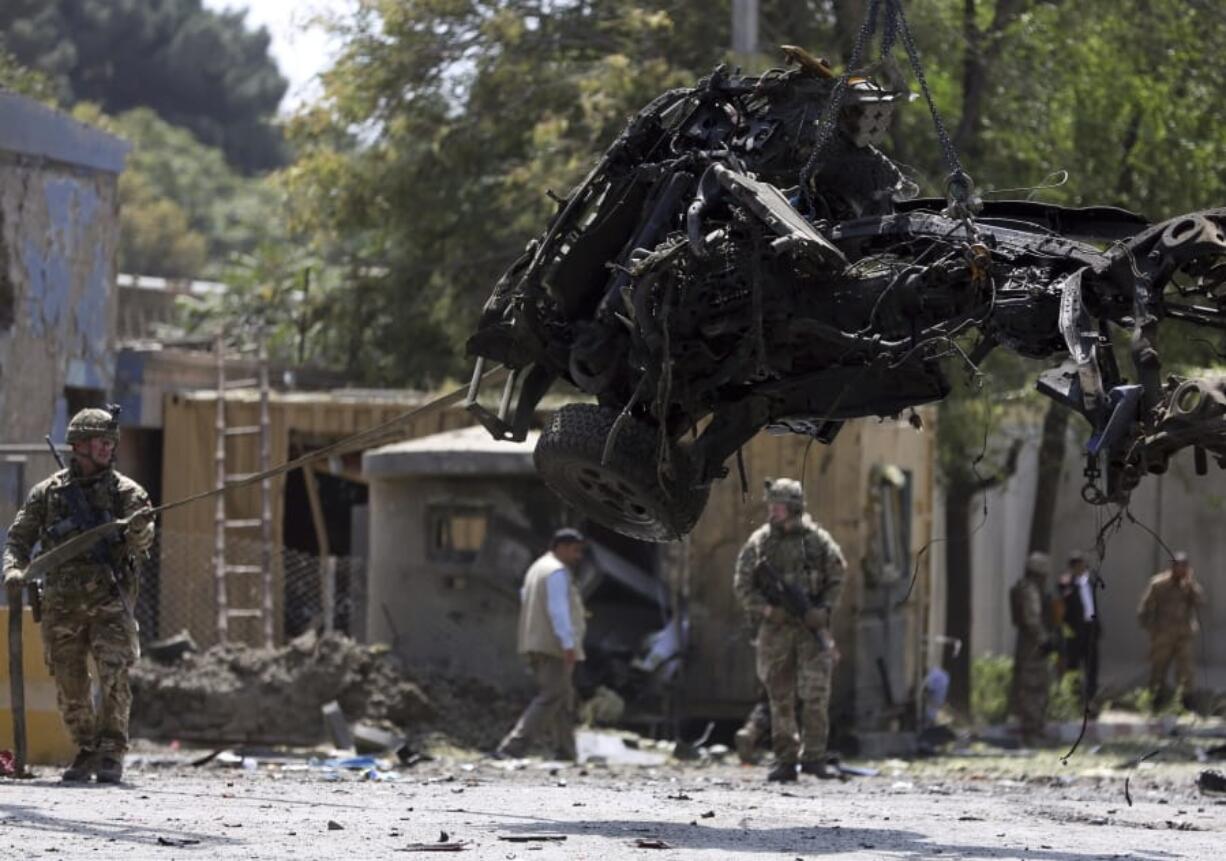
[1031, 682]
[790, 663]
[82, 612]
[1168, 613]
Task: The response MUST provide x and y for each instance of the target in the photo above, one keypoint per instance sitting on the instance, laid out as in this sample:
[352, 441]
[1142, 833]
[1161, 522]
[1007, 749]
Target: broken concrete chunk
[1212, 783]
[338, 727]
[171, 649]
[368, 738]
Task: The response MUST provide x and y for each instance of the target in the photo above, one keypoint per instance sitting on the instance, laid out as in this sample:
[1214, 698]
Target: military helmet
[785, 490]
[1038, 563]
[92, 422]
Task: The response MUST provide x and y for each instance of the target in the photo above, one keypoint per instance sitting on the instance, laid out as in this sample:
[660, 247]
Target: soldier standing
[84, 613]
[792, 663]
[1031, 671]
[1168, 614]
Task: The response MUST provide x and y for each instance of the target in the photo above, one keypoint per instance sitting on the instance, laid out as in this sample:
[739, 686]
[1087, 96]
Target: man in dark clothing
[1081, 617]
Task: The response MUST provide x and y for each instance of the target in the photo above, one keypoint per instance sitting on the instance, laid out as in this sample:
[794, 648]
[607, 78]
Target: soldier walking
[1167, 612]
[552, 624]
[84, 614]
[1031, 669]
[792, 663]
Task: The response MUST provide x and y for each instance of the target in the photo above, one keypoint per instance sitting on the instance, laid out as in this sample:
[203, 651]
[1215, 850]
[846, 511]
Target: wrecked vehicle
[732, 263]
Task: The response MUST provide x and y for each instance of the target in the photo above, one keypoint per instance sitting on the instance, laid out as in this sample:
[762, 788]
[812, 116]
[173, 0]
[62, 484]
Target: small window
[455, 533]
[889, 551]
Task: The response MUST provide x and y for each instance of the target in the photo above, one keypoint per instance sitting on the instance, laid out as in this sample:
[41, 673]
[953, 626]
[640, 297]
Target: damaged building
[456, 518]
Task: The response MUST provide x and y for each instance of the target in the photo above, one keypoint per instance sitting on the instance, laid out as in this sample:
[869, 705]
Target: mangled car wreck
[734, 263]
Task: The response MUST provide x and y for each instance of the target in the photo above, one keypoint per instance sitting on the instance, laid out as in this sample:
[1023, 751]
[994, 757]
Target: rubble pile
[237, 694]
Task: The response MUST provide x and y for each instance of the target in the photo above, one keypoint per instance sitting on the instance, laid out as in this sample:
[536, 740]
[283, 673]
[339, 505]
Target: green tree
[184, 211]
[202, 70]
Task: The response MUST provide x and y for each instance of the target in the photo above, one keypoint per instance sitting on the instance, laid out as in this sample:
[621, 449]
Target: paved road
[1032, 809]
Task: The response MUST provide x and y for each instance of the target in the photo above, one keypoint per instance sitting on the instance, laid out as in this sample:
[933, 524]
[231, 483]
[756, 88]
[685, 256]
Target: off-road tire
[625, 494]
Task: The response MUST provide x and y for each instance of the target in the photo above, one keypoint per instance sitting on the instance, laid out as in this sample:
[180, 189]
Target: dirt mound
[233, 693]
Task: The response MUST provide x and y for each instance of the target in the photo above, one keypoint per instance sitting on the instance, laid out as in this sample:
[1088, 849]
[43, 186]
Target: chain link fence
[178, 590]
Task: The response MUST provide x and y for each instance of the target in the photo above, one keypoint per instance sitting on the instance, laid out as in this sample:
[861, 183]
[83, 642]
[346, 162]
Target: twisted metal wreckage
[743, 256]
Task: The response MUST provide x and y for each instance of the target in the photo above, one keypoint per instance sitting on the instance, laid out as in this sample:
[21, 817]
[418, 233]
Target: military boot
[784, 772]
[824, 769]
[110, 769]
[82, 768]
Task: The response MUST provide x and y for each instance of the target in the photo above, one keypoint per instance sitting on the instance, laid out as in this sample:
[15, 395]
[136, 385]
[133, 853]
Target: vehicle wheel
[625, 494]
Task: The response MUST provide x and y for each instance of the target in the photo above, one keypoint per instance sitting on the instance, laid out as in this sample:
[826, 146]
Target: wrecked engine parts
[698, 294]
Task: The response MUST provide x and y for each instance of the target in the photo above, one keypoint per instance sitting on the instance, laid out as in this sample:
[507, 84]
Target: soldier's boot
[823, 769]
[110, 769]
[82, 768]
[746, 746]
[783, 772]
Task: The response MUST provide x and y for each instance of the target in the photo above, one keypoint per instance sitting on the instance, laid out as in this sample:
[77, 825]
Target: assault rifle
[780, 593]
[84, 518]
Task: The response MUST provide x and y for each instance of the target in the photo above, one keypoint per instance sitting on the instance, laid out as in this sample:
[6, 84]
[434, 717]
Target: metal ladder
[222, 523]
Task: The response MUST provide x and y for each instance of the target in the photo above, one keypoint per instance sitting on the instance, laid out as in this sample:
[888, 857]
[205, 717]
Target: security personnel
[83, 613]
[1168, 614]
[1031, 682]
[792, 664]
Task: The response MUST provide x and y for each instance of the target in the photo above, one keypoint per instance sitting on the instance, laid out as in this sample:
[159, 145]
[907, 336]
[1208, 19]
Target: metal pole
[219, 515]
[329, 593]
[744, 27]
[17, 687]
[265, 494]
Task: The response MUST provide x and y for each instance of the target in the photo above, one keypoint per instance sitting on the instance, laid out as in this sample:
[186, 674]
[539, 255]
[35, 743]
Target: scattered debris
[171, 649]
[368, 738]
[1211, 782]
[434, 847]
[333, 825]
[651, 843]
[337, 725]
[856, 770]
[241, 695]
[177, 841]
[710, 814]
[613, 749]
[531, 838]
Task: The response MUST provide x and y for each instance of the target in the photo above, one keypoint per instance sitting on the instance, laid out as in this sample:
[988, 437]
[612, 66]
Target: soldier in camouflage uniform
[1168, 613]
[83, 614]
[791, 663]
[1031, 682]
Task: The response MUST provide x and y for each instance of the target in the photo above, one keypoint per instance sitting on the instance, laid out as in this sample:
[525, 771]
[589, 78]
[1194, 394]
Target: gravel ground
[976, 806]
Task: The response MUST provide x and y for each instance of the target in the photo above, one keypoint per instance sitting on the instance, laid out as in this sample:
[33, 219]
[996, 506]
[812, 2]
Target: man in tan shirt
[552, 623]
[1168, 613]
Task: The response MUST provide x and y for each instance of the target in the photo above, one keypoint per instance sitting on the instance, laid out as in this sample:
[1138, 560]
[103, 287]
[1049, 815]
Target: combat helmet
[91, 422]
[1038, 563]
[787, 490]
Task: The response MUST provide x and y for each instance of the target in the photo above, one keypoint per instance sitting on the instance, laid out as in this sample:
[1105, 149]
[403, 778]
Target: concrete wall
[1184, 509]
[452, 617]
[59, 230]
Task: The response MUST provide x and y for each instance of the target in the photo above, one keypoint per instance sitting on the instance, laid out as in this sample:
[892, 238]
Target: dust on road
[1032, 808]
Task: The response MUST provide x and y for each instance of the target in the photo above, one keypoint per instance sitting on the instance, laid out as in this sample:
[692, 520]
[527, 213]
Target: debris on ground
[434, 847]
[651, 843]
[233, 693]
[1212, 782]
[333, 825]
[177, 841]
[531, 838]
[610, 748]
[171, 649]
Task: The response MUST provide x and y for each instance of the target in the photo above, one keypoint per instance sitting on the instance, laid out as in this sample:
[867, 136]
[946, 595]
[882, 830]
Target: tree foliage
[184, 212]
[199, 69]
[443, 122]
